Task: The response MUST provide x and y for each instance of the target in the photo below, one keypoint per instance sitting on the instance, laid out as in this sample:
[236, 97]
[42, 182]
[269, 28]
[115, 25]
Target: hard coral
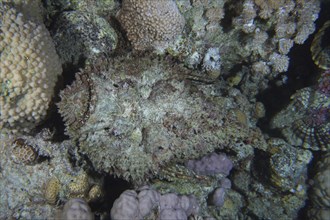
[76, 209]
[52, 189]
[29, 67]
[147, 203]
[23, 153]
[305, 121]
[149, 23]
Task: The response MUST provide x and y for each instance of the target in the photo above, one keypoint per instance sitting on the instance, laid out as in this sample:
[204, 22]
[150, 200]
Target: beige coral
[23, 153]
[29, 67]
[52, 189]
[149, 23]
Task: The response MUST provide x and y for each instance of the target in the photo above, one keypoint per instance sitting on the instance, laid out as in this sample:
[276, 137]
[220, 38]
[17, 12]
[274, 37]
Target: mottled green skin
[144, 113]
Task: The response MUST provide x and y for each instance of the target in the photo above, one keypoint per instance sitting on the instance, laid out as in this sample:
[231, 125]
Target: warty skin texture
[139, 114]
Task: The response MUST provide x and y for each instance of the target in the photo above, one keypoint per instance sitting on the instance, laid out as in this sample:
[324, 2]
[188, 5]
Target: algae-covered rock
[82, 35]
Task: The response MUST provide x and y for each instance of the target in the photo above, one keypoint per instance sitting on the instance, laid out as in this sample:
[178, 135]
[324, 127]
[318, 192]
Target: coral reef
[260, 199]
[150, 24]
[247, 37]
[253, 37]
[29, 67]
[32, 191]
[136, 115]
[162, 101]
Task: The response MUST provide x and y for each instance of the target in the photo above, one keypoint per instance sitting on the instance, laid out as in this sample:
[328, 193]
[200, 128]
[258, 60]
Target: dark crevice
[113, 187]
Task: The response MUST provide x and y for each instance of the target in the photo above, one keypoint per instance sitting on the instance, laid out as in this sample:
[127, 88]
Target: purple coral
[186, 204]
[76, 209]
[148, 200]
[217, 197]
[126, 206]
[173, 214]
[133, 205]
[211, 164]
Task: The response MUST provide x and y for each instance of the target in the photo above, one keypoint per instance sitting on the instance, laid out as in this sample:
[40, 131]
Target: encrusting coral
[29, 67]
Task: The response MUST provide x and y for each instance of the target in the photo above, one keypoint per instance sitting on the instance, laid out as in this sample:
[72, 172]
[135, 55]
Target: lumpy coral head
[29, 67]
[150, 23]
[141, 113]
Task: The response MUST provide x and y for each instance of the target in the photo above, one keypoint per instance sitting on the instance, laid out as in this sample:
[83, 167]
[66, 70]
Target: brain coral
[149, 23]
[29, 67]
[141, 113]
